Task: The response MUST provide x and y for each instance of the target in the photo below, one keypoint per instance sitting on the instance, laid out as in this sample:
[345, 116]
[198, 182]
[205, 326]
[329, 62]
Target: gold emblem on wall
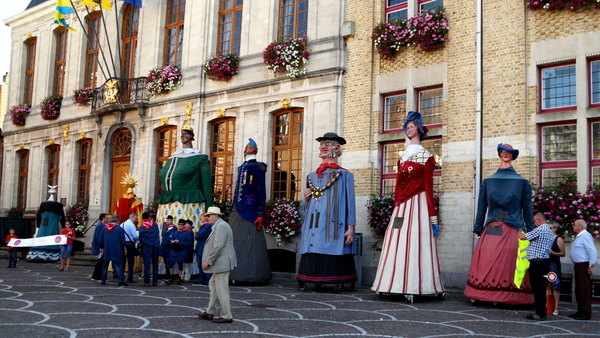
[82, 135]
[66, 133]
[52, 141]
[220, 113]
[29, 35]
[110, 91]
[285, 104]
[164, 121]
[21, 146]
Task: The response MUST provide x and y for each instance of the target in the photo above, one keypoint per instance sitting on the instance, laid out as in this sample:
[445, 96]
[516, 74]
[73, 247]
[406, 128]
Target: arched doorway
[120, 158]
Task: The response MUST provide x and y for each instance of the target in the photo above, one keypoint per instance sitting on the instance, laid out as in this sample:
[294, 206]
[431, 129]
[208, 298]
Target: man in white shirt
[131, 240]
[583, 255]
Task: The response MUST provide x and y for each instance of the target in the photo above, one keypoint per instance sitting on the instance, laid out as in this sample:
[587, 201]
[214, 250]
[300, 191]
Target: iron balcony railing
[119, 91]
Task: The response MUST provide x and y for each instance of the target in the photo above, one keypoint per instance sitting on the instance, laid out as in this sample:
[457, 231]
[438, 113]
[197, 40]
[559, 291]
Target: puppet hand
[435, 228]
[259, 223]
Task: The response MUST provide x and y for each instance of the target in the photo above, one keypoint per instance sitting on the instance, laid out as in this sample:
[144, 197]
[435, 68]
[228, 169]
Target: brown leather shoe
[222, 320]
[205, 315]
[154, 284]
[145, 285]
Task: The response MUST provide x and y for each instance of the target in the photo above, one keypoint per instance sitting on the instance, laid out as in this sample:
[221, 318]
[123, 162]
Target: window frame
[290, 148]
[590, 84]
[296, 33]
[129, 40]
[84, 171]
[60, 61]
[175, 56]
[22, 177]
[223, 189]
[418, 93]
[233, 31]
[420, 4]
[92, 48]
[395, 8]
[384, 119]
[541, 108]
[552, 165]
[30, 51]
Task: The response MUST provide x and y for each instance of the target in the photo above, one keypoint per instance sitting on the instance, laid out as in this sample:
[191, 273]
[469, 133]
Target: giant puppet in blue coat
[247, 218]
[50, 219]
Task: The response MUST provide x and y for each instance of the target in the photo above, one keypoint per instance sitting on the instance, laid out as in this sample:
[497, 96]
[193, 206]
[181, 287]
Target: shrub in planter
[221, 67]
[83, 96]
[19, 113]
[50, 107]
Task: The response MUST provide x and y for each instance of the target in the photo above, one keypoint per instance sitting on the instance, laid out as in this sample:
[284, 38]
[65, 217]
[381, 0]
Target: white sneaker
[555, 313]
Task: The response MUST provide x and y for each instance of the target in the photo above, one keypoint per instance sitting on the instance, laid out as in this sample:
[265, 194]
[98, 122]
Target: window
[222, 151]
[431, 104]
[53, 165]
[594, 83]
[287, 154]
[394, 112]
[23, 159]
[396, 10]
[429, 5]
[85, 167]
[392, 152]
[174, 32]
[60, 60]
[558, 88]
[165, 147]
[29, 69]
[293, 19]
[230, 26]
[595, 156]
[92, 50]
[131, 19]
[558, 152]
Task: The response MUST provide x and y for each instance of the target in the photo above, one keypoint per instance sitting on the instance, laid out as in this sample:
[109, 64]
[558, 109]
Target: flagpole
[88, 38]
[100, 45]
[112, 60]
[118, 37]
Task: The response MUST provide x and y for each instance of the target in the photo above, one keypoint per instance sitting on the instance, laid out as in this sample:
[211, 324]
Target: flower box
[50, 107]
[19, 113]
[289, 56]
[283, 220]
[557, 5]
[221, 67]
[83, 96]
[162, 80]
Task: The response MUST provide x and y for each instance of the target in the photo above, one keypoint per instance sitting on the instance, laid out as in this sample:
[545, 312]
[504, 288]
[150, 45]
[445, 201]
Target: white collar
[411, 150]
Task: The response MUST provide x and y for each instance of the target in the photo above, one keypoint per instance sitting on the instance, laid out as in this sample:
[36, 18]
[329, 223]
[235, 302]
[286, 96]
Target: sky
[8, 8]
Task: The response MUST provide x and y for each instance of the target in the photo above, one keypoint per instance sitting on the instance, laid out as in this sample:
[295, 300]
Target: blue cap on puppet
[252, 143]
[415, 116]
[253, 148]
[509, 148]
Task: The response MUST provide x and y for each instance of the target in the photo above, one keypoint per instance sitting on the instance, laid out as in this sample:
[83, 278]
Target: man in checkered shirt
[538, 254]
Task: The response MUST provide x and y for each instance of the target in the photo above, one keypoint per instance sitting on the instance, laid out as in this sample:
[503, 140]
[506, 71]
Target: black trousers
[130, 260]
[537, 270]
[97, 275]
[583, 289]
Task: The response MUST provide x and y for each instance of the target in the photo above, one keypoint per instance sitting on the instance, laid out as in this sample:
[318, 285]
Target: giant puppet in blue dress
[328, 228]
[246, 220]
[50, 219]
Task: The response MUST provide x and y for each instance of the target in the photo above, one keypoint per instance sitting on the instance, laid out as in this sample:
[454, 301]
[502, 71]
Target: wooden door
[120, 163]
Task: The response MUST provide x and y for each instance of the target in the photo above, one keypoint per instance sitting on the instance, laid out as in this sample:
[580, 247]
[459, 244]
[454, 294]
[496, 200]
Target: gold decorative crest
[29, 35]
[164, 121]
[66, 133]
[285, 103]
[110, 91]
[82, 135]
[51, 141]
[130, 180]
[220, 113]
[21, 146]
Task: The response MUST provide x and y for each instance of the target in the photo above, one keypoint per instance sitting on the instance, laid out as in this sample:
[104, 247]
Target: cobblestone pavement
[38, 301]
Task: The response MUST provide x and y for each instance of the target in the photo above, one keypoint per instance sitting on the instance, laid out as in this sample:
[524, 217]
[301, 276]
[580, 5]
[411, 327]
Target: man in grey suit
[219, 259]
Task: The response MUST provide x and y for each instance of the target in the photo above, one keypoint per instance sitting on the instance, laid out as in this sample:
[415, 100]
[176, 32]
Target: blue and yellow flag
[63, 8]
[522, 263]
[105, 4]
[136, 3]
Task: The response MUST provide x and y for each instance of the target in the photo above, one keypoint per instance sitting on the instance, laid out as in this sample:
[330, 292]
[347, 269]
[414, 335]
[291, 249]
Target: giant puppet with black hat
[506, 199]
[326, 246]
[409, 262]
[186, 181]
[246, 220]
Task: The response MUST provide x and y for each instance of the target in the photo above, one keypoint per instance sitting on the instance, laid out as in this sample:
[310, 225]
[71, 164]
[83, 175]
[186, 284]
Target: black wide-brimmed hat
[331, 137]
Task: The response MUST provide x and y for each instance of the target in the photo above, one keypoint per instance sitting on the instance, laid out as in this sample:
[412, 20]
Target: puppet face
[328, 149]
[412, 130]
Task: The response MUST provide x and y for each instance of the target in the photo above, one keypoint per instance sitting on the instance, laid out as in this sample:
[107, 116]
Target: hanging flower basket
[83, 96]
[283, 220]
[162, 80]
[19, 113]
[289, 56]
[557, 5]
[427, 31]
[50, 107]
[221, 67]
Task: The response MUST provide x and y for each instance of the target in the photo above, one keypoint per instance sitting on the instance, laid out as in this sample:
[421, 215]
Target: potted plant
[283, 219]
[162, 80]
[19, 113]
[50, 107]
[77, 215]
[14, 212]
[556, 5]
[221, 67]
[379, 211]
[83, 96]
[289, 56]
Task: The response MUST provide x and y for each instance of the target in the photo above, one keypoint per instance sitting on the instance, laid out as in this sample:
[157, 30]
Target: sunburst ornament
[130, 180]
